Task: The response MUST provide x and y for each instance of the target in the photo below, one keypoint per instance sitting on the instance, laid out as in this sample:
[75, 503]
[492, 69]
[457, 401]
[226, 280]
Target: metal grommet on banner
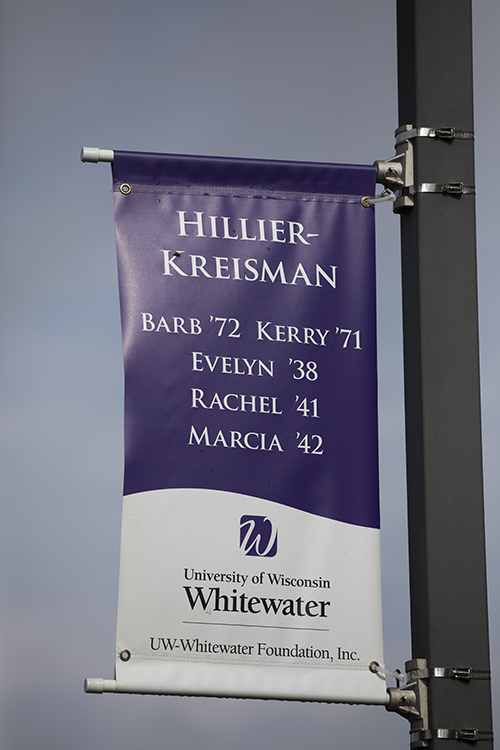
[375, 667]
[125, 654]
[385, 195]
[125, 188]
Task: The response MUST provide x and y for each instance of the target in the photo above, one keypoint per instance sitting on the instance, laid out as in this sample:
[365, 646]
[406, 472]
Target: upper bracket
[397, 173]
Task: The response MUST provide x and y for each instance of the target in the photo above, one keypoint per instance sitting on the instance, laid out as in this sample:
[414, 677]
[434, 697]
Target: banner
[250, 541]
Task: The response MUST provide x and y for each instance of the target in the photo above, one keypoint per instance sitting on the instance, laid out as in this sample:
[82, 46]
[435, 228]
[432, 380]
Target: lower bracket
[411, 702]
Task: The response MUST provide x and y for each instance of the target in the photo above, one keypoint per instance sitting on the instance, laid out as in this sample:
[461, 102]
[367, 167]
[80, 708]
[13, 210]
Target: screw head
[404, 704]
[391, 175]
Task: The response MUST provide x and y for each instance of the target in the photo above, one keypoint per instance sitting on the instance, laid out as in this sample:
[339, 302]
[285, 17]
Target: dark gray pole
[443, 427]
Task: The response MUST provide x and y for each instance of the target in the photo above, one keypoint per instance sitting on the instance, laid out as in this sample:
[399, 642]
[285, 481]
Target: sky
[312, 81]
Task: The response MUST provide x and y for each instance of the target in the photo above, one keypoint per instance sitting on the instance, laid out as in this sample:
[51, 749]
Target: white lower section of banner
[295, 615]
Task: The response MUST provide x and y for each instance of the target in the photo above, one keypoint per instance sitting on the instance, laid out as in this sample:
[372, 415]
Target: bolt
[391, 175]
[405, 704]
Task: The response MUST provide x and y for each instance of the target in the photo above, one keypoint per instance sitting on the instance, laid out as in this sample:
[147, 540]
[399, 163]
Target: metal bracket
[397, 173]
[411, 702]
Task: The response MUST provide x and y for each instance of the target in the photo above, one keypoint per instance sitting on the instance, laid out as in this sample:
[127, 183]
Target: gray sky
[268, 79]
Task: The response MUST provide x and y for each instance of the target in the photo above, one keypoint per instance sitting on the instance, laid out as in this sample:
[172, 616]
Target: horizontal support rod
[98, 685]
[94, 155]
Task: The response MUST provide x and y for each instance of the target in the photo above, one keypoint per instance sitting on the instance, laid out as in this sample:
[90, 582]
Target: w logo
[257, 536]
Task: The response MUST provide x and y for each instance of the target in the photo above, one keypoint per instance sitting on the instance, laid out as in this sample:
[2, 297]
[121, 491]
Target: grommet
[385, 195]
[125, 654]
[125, 188]
[375, 668]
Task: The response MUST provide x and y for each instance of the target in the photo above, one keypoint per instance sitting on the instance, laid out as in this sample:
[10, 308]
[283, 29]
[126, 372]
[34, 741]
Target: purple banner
[248, 311]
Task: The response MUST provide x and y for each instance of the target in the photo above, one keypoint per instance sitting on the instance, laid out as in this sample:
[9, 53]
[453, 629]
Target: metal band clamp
[450, 188]
[466, 735]
[446, 134]
[455, 673]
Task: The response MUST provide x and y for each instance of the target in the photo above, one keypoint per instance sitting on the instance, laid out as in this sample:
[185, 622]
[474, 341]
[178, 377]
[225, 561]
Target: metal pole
[443, 427]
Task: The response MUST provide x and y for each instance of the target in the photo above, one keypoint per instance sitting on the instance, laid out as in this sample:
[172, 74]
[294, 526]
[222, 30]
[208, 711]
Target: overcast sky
[277, 79]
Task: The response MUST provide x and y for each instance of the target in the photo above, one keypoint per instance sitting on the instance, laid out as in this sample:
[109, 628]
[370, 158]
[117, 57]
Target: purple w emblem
[257, 536]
